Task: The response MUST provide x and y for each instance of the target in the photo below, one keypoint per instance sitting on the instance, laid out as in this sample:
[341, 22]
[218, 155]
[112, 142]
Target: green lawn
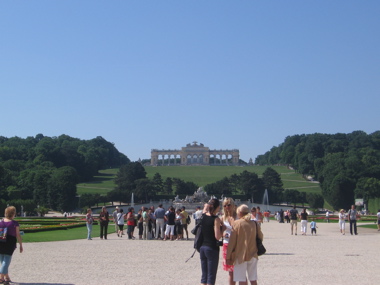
[69, 234]
[201, 175]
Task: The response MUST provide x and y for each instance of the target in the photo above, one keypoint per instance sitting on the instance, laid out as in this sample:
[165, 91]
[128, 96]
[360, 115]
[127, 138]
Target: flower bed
[39, 225]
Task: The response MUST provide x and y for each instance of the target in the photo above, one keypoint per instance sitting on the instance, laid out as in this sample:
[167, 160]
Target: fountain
[132, 201]
[266, 199]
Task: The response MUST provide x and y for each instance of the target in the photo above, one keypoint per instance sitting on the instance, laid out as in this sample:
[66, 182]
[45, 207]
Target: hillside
[201, 175]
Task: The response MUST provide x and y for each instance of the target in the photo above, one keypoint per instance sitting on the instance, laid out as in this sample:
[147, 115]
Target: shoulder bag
[260, 247]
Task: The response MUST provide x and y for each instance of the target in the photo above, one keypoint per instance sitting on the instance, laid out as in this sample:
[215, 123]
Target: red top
[130, 219]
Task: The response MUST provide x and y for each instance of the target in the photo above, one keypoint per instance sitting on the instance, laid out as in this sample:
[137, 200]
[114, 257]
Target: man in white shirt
[114, 215]
[197, 215]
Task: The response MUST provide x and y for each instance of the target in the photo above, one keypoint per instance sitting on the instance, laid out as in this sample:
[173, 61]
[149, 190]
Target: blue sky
[161, 74]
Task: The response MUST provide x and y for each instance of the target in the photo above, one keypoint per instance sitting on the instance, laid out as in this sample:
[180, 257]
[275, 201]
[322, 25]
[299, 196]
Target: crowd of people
[226, 226]
[293, 216]
[151, 223]
[238, 227]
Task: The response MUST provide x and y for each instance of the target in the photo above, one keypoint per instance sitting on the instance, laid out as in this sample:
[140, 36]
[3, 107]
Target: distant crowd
[147, 223]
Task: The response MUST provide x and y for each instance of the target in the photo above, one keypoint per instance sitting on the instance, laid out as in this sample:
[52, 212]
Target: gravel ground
[328, 258]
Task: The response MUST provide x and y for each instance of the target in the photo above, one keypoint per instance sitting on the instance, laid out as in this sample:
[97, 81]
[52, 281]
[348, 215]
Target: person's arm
[217, 228]
[19, 239]
[231, 247]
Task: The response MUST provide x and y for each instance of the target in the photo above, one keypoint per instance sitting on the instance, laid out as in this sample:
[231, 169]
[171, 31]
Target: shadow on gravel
[279, 253]
[16, 283]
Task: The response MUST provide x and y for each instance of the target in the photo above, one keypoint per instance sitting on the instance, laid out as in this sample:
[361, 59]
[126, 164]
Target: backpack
[198, 239]
[188, 220]
[293, 214]
[3, 234]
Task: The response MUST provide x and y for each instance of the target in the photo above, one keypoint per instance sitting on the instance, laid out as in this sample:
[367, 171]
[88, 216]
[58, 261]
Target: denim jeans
[130, 230]
[209, 263]
[5, 260]
[89, 230]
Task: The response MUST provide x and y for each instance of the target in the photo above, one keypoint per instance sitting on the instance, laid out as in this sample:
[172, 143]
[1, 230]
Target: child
[313, 227]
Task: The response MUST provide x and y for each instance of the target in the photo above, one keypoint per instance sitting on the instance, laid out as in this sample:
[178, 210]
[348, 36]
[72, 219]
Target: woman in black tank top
[212, 229]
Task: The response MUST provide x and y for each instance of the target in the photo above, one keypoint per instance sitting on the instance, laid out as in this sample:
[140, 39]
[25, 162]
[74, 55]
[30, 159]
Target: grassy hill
[201, 175]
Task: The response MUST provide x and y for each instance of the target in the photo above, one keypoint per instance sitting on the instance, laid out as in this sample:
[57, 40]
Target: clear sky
[160, 74]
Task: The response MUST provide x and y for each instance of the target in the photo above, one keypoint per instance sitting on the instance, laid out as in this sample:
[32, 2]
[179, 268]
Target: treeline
[132, 178]
[346, 165]
[250, 186]
[43, 171]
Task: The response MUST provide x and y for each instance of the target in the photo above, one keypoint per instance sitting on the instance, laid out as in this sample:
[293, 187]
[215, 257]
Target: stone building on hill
[194, 154]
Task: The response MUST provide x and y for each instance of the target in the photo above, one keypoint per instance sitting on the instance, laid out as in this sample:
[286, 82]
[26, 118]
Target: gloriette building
[194, 154]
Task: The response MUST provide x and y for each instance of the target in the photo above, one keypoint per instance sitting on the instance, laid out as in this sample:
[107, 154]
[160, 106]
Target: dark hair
[160, 205]
[213, 205]
[121, 211]
[130, 209]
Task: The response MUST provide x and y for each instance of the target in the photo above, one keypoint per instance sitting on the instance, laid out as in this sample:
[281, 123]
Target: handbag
[260, 247]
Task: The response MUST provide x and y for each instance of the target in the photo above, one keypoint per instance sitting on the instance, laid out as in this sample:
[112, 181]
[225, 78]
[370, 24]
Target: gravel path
[328, 258]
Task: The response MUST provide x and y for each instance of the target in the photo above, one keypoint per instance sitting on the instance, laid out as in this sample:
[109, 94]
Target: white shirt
[198, 215]
[120, 220]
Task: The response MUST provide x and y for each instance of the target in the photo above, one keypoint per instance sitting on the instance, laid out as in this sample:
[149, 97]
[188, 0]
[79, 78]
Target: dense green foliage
[346, 165]
[45, 170]
[132, 178]
[251, 186]
[166, 182]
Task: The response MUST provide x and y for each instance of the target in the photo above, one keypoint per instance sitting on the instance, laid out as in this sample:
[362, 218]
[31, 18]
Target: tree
[291, 196]
[367, 188]
[62, 189]
[315, 201]
[127, 175]
[272, 179]
[221, 187]
[168, 186]
[340, 192]
[145, 189]
[42, 211]
[234, 182]
[250, 184]
[157, 182]
[182, 187]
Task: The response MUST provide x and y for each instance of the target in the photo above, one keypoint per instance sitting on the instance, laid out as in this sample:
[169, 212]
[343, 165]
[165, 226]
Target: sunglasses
[227, 205]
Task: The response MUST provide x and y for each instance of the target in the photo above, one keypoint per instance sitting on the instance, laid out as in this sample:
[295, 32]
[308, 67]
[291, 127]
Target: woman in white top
[229, 216]
[120, 222]
[342, 221]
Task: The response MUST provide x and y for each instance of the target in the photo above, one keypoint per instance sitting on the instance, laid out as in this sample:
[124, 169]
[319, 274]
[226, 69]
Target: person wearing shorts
[170, 218]
[242, 247]
[120, 223]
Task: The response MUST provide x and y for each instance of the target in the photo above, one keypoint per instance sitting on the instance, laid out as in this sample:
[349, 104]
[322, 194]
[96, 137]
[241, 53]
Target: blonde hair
[243, 210]
[10, 212]
[226, 201]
